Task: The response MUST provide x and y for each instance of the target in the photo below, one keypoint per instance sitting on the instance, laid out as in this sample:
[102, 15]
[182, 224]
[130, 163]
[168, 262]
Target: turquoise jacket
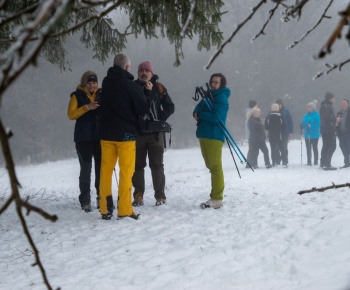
[208, 125]
[313, 119]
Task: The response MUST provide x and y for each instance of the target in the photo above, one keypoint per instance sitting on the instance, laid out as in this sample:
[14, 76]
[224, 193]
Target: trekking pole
[308, 137]
[301, 144]
[223, 126]
[202, 93]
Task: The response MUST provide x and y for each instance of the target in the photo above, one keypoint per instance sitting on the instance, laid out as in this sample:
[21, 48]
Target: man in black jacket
[328, 122]
[151, 143]
[343, 131]
[122, 103]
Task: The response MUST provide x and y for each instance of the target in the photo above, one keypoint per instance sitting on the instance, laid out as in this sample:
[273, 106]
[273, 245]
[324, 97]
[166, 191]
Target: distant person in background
[257, 139]
[275, 125]
[151, 144]
[252, 104]
[311, 126]
[211, 137]
[343, 131]
[328, 123]
[288, 132]
[82, 108]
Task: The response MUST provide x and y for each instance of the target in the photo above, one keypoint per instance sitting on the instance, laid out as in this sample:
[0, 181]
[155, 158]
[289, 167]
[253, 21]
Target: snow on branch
[313, 28]
[297, 8]
[331, 67]
[271, 12]
[189, 17]
[222, 46]
[322, 189]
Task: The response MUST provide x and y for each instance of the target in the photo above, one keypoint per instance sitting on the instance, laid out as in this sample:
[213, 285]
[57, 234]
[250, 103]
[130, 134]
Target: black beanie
[329, 96]
[279, 101]
[252, 103]
[92, 78]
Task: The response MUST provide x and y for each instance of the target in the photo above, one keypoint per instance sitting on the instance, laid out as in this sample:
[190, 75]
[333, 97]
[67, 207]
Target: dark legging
[312, 143]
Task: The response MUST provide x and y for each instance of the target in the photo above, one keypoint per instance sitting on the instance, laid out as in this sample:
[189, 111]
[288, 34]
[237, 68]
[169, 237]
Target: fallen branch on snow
[321, 189]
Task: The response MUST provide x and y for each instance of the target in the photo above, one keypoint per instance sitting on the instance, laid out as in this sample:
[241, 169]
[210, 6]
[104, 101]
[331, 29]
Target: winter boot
[107, 216]
[268, 166]
[160, 201]
[133, 216]
[86, 208]
[212, 203]
[138, 199]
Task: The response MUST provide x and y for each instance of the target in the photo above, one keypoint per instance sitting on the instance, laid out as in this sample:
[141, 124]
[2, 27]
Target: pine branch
[220, 50]
[322, 189]
[189, 17]
[313, 28]
[271, 12]
[18, 14]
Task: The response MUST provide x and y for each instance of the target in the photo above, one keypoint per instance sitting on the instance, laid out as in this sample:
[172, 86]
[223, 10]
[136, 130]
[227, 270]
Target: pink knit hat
[146, 65]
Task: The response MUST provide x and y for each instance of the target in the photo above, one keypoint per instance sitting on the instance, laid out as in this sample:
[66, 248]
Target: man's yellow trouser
[212, 151]
[111, 152]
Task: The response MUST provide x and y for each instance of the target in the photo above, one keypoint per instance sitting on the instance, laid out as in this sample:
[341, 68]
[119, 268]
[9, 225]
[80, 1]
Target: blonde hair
[255, 111]
[85, 77]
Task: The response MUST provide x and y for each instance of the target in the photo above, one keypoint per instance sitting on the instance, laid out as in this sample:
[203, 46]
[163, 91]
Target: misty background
[35, 106]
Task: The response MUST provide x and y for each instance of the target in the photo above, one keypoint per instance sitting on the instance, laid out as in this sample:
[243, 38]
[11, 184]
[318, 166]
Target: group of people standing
[279, 125]
[107, 129]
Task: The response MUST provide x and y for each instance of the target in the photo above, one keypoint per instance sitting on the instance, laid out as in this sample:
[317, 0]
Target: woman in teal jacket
[211, 137]
[311, 126]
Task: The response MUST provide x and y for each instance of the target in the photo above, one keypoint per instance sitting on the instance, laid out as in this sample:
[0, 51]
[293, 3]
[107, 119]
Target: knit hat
[279, 102]
[312, 104]
[252, 103]
[329, 96]
[146, 65]
[275, 108]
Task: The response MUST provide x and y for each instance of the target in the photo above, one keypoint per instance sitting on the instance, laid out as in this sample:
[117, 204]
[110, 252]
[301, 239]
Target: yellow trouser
[111, 151]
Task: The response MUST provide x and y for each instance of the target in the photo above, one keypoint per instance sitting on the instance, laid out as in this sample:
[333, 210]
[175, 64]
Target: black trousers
[153, 146]
[275, 145]
[312, 143]
[344, 144]
[254, 148]
[284, 150]
[86, 150]
[328, 148]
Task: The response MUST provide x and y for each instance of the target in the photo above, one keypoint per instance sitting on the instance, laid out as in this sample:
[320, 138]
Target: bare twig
[297, 8]
[321, 189]
[336, 34]
[313, 28]
[220, 50]
[331, 67]
[271, 12]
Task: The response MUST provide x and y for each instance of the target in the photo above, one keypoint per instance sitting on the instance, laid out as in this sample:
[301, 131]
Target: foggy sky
[35, 107]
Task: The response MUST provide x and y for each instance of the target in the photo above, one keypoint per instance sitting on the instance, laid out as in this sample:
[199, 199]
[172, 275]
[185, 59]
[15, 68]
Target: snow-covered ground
[265, 237]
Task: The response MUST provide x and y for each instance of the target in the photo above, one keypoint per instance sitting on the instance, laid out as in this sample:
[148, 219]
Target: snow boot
[107, 216]
[160, 201]
[138, 199]
[133, 216]
[86, 208]
[212, 203]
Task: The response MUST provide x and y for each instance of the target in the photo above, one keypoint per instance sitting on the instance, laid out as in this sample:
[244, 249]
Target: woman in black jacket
[257, 139]
[82, 108]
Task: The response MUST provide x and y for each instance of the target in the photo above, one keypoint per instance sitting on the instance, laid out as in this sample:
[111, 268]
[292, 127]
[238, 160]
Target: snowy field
[265, 237]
